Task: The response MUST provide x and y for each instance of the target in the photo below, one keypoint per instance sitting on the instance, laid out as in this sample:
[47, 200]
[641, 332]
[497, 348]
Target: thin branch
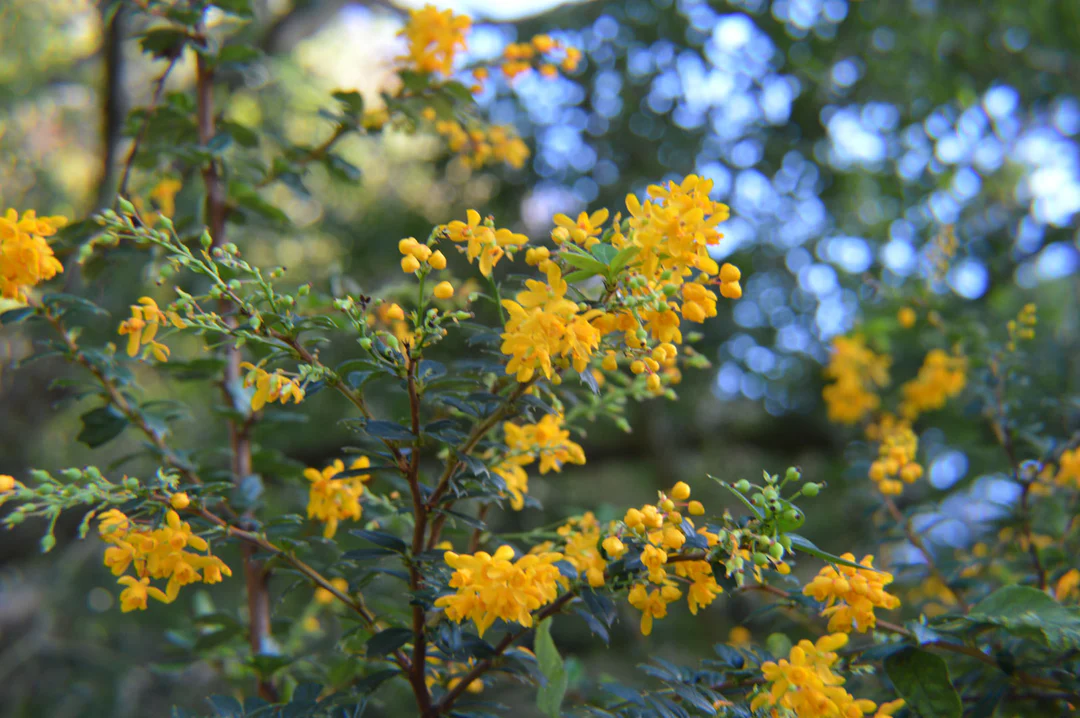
[915, 540]
[151, 110]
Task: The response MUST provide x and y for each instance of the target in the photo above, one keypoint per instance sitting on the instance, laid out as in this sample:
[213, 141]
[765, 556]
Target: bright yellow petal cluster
[855, 371]
[479, 145]
[435, 37]
[675, 227]
[804, 683]
[332, 499]
[662, 526]
[541, 51]
[1068, 472]
[143, 325]
[271, 386]
[26, 259]
[940, 378]
[585, 230]
[490, 587]
[851, 595]
[897, 448]
[581, 549]
[482, 240]
[450, 673]
[544, 328]
[156, 553]
[545, 440]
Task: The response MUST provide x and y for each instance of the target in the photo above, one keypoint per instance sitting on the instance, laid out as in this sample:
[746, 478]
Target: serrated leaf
[1030, 613]
[550, 696]
[922, 680]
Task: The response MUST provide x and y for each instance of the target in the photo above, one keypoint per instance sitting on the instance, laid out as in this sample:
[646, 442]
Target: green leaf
[342, 169]
[583, 262]
[352, 102]
[623, 258]
[238, 54]
[241, 8]
[604, 252]
[387, 641]
[550, 696]
[388, 430]
[380, 538]
[922, 679]
[801, 543]
[1029, 613]
[580, 275]
[101, 426]
[14, 316]
[164, 42]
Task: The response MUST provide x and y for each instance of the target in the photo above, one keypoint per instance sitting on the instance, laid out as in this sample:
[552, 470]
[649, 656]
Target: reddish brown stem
[256, 576]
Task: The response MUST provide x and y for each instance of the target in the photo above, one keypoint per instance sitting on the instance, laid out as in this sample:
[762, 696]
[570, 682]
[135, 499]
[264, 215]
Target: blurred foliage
[843, 135]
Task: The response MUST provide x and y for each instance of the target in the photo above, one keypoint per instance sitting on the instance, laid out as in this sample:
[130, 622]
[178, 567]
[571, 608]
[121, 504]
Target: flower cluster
[415, 254]
[851, 594]
[482, 240]
[1068, 472]
[856, 371]
[663, 531]
[332, 498]
[805, 684]
[545, 440]
[434, 38]
[271, 386]
[490, 587]
[478, 146]
[450, 674]
[156, 553]
[26, 259]
[143, 325]
[545, 328]
[940, 378]
[897, 448]
[580, 537]
[1022, 328]
[542, 53]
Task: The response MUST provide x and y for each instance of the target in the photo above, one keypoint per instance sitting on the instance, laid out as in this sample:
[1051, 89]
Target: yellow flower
[180, 501]
[851, 595]
[940, 378]
[325, 597]
[26, 259]
[896, 463]
[494, 586]
[907, 317]
[443, 290]
[674, 228]
[1068, 472]
[805, 684]
[652, 604]
[434, 38]
[271, 387]
[138, 590]
[7, 483]
[483, 242]
[544, 326]
[332, 499]
[156, 553]
[546, 440]
[143, 325]
[855, 371]
[585, 230]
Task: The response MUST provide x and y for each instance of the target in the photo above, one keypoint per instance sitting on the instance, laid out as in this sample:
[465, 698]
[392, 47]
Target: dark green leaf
[800, 543]
[388, 430]
[380, 538]
[239, 54]
[14, 316]
[352, 102]
[922, 679]
[101, 426]
[226, 706]
[387, 641]
[1030, 613]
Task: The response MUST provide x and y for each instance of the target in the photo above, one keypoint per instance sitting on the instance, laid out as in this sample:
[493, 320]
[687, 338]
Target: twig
[916, 541]
[151, 109]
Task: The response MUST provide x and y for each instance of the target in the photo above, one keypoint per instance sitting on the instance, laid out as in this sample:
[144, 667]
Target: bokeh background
[843, 135]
